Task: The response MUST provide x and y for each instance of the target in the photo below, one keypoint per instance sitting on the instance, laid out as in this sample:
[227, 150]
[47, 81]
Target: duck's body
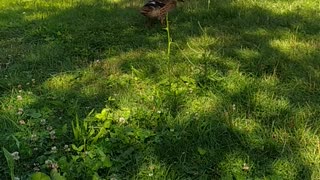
[157, 9]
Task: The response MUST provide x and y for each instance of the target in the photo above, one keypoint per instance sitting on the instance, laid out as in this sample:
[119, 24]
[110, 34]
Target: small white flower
[22, 122]
[49, 128]
[233, 107]
[20, 91]
[245, 167]
[150, 174]
[15, 155]
[34, 137]
[54, 166]
[53, 132]
[113, 177]
[66, 148]
[48, 162]
[122, 120]
[53, 137]
[54, 149]
[43, 121]
[20, 111]
[159, 112]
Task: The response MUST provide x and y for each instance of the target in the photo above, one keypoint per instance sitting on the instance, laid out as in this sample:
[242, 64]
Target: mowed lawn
[88, 91]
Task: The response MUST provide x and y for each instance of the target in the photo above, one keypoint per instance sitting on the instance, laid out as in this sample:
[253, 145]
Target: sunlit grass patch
[269, 106]
[252, 133]
[205, 104]
[236, 82]
[284, 169]
[62, 83]
[89, 92]
[236, 165]
[294, 49]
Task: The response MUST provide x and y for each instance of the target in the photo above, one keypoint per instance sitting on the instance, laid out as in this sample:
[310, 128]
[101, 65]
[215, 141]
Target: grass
[240, 98]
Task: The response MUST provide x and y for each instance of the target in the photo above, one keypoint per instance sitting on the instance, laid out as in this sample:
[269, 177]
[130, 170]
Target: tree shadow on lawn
[73, 38]
[237, 139]
[260, 33]
[256, 33]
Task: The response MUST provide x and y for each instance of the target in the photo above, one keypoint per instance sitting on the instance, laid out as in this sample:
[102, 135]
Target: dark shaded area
[75, 49]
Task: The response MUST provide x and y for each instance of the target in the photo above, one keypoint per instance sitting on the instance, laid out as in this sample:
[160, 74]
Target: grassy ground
[238, 98]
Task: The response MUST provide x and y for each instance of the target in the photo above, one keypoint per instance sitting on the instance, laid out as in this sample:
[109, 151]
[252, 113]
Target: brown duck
[158, 9]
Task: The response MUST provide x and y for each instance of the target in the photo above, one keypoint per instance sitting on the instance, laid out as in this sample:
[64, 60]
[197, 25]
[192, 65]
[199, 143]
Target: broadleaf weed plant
[10, 157]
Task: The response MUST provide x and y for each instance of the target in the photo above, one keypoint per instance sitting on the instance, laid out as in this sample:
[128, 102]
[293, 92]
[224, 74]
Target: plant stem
[169, 42]
[168, 36]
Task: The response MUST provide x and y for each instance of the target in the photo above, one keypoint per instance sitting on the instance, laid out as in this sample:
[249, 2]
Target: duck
[158, 9]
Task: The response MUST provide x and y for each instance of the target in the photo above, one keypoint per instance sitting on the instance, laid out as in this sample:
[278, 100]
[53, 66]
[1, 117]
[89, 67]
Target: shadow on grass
[257, 40]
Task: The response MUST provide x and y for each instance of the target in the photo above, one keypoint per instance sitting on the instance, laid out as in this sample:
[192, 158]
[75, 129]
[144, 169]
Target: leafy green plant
[10, 162]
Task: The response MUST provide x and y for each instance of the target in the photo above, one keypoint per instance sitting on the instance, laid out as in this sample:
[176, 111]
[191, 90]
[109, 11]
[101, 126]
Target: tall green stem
[169, 42]
[168, 36]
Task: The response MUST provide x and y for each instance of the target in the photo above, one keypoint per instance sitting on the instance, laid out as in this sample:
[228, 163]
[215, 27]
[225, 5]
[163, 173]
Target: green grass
[240, 97]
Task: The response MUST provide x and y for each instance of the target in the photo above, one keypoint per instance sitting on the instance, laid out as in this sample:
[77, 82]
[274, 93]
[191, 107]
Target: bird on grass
[158, 9]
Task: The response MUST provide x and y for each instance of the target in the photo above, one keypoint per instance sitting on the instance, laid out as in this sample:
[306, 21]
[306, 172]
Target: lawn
[88, 91]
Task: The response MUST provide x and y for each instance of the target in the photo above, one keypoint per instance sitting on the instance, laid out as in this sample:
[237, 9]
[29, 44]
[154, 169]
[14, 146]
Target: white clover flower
[122, 120]
[19, 98]
[233, 107]
[15, 155]
[48, 162]
[53, 132]
[54, 166]
[49, 128]
[20, 111]
[22, 122]
[66, 148]
[43, 121]
[53, 137]
[54, 149]
[34, 137]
